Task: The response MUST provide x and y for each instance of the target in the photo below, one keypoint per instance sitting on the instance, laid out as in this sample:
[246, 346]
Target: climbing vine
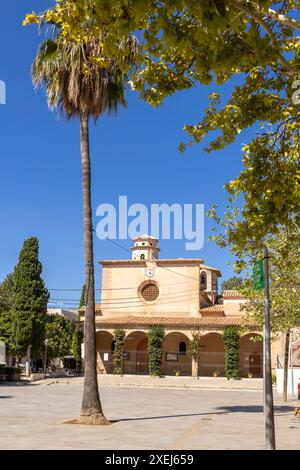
[155, 345]
[231, 338]
[119, 336]
[194, 348]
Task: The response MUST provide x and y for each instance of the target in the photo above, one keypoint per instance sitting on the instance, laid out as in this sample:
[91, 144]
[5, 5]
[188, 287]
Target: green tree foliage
[284, 262]
[83, 297]
[231, 338]
[233, 283]
[59, 333]
[30, 298]
[6, 314]
[119, 336]
[252, 48]
[156, 336]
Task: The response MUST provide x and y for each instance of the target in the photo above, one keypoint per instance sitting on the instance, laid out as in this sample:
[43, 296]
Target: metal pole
[268, 390]
[292, 366]
[45, 359]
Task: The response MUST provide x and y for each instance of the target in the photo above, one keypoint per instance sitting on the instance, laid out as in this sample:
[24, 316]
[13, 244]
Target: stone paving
[110, 380]
[32, 415]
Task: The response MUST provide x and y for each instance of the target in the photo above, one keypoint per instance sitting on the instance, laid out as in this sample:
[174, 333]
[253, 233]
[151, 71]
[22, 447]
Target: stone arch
[212, 354]
[136, 353]
[172, 359]
[251, 354]
[104, 341]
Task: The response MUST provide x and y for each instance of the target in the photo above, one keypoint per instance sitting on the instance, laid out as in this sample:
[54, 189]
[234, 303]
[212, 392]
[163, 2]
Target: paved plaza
[32, 415]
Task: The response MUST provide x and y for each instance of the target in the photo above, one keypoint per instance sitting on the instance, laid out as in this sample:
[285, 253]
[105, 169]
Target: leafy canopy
[59, 333]
[187, 42]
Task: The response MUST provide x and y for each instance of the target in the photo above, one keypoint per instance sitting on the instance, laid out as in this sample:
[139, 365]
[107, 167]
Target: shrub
[155, 344]
[231, 338]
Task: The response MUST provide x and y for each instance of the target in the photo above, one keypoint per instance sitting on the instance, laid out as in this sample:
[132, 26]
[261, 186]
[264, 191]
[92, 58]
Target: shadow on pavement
[255, 409]
[6, 396]
[168, 416]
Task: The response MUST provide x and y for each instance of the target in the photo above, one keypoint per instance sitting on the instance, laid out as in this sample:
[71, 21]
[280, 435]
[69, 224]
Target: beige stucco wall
[178, 295]
[232, 307]
[184, 361]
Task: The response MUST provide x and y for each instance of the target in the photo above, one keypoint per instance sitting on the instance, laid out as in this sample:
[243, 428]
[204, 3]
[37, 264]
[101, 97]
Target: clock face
[149, 272]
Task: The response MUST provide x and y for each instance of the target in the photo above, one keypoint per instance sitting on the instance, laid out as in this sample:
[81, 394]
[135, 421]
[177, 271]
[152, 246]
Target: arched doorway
[175, 355]
[251, 355]
[211, 355]
[136, 353]
[104, 342]
[142, 357]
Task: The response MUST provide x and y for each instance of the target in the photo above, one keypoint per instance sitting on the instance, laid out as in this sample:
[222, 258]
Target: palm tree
[78, 87]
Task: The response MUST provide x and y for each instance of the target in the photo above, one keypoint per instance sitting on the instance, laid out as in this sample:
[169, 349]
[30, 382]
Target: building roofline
[197, 261]
[145, 237]
[211, 268]
[232, 294]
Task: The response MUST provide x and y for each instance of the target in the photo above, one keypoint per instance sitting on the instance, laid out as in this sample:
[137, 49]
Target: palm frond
[73, 80]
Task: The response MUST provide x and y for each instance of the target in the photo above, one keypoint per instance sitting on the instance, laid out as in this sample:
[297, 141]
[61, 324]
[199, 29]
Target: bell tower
[145, 248]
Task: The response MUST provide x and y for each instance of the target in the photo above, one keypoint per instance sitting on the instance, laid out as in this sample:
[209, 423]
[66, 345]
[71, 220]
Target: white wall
[295, 381]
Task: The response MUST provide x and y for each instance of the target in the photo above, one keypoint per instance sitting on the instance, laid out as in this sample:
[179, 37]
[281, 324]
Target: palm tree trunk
[91, 410]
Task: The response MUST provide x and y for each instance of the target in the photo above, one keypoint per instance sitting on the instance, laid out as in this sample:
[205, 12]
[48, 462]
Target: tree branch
[257, 18]
[282, 18]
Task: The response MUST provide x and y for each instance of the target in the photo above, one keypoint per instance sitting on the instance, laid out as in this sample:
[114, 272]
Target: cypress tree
[30, 300]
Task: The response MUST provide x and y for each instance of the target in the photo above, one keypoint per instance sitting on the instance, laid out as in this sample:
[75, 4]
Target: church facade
[182, 296]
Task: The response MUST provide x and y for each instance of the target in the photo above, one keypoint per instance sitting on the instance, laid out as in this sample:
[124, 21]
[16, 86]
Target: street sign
[258, 275]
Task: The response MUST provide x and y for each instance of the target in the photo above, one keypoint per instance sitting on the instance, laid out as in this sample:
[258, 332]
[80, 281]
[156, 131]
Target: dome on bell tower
[145, 248]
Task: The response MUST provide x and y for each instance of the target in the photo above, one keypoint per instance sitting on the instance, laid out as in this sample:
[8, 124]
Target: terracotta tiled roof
[232, 294]
[184, 322]
[213, 309]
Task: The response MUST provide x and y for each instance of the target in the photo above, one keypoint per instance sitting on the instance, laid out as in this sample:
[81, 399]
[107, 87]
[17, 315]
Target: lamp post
[46, 342]
[268, 390]
[261, 281]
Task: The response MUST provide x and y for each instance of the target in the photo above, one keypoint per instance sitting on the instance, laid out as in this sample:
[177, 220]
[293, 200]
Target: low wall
[36, 376]
[292, 381]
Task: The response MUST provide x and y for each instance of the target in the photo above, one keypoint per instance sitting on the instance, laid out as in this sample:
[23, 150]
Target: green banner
[258, 275]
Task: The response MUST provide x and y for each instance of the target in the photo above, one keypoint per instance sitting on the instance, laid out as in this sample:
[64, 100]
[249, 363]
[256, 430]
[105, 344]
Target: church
[182, 296]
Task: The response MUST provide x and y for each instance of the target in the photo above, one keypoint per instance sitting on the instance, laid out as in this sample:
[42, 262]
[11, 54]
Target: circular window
[150, 292]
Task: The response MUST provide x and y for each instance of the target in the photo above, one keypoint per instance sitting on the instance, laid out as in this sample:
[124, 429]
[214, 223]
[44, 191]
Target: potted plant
[178, 373]
[216, 373]
[250, 375]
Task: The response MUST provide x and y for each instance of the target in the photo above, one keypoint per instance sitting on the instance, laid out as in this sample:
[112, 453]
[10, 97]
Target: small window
[182, 348]
[113, 345]
[142, 257]
[143, 244]
[150, 292]
[203, 281]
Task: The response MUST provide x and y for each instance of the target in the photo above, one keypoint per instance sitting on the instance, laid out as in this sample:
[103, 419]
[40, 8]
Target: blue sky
[133, 154]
